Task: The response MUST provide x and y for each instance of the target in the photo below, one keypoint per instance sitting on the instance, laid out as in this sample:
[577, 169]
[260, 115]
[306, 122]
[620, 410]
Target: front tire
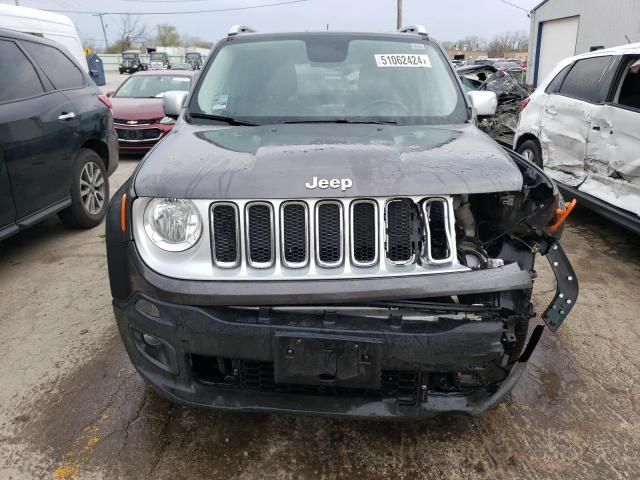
[531, 151]
[89, 192]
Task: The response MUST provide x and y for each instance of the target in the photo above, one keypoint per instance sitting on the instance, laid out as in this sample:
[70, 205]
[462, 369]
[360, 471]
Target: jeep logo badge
[341, 183]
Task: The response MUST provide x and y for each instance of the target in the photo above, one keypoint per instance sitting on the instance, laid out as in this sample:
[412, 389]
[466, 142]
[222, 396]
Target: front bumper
[141, 145]
[414, 358]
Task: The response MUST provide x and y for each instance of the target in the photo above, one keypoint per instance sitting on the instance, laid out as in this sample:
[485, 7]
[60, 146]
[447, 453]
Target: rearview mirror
[110, 93]
[172, 103]
[484, 103]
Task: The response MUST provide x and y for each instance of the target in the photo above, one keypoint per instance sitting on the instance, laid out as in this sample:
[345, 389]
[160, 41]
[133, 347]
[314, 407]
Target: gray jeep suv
[325, 231]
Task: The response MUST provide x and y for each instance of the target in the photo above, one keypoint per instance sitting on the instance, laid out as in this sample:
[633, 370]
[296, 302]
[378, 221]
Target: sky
[443, 19]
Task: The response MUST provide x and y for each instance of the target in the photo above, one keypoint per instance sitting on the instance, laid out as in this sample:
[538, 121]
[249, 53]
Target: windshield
[151, 86]
[158, 56]
[129, 56]
[335, 78]
[193, 56]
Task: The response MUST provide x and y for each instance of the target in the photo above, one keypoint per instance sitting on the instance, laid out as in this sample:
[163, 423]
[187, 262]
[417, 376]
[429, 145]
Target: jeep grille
[320, 237]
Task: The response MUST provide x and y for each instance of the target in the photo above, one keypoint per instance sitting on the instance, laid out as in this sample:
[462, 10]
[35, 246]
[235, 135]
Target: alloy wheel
[92, 188]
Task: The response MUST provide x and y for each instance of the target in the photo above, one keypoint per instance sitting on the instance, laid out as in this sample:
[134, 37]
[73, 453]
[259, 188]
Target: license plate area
[330, 360]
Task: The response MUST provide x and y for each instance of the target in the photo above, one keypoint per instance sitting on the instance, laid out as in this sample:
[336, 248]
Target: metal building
[563, 28]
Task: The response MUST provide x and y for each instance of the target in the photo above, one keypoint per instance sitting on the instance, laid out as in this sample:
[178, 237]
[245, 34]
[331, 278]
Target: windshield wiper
[222, 118]
[344, 120]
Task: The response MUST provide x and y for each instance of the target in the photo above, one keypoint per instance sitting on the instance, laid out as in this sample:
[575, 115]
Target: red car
[138, 116]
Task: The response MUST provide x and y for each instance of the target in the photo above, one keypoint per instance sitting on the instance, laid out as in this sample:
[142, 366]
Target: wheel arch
[100, 148]
[527, 136]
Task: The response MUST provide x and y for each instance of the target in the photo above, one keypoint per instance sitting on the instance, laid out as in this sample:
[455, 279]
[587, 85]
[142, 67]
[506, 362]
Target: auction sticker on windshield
[402, 60]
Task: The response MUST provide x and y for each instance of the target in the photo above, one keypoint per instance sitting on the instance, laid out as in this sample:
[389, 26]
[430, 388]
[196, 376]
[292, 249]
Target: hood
[278, 161]
[137, 108]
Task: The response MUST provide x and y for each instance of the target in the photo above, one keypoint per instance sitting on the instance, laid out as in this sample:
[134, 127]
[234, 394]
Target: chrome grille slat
[225, 241]
[400, 216]
[260, 237]
[329, 233]
[364, 233]
[439, 242]
[294, 234]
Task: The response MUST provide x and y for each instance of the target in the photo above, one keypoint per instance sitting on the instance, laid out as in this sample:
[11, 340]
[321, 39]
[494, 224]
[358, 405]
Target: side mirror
[110, 93]
[172, 103]
[484, 103]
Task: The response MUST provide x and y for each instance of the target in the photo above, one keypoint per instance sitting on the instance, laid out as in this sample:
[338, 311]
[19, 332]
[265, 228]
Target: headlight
[172, 224]
[167, 121]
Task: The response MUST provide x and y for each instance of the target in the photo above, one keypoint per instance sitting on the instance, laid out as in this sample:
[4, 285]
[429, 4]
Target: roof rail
[238, 29]
[417, 29]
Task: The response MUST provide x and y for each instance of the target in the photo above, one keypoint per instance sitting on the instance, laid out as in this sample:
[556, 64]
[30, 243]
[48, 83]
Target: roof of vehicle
[289, 35]
[474, 68]
[499, 64]
[628, 49]
[5, 32]
[619, 50]
[34, 13]
[165, 73]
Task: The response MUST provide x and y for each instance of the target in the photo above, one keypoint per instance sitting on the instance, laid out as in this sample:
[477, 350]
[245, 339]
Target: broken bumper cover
[184, 321]
[183, 333]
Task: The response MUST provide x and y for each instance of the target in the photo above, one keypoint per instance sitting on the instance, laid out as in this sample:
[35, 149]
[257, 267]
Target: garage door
[558, 42]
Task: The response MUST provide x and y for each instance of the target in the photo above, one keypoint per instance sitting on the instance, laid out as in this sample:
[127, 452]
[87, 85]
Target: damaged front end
[392, 346]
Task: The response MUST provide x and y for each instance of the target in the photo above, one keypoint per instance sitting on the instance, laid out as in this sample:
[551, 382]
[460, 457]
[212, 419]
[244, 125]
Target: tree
[473, 42]
[521, 41]
[508, 42]
[132, 31]
[496, 49]
[167, 35]
[448, 45]
[195, 42]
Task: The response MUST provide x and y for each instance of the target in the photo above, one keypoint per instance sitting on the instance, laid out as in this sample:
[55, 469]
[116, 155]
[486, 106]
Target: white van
[52, 26]
[582, 125]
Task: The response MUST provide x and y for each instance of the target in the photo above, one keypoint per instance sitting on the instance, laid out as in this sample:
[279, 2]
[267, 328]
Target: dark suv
[326, 231]
[131, 63]
[57, 142]
[194, 59]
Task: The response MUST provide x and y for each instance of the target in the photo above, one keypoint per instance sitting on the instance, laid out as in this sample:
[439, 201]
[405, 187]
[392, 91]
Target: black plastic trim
[566, 287]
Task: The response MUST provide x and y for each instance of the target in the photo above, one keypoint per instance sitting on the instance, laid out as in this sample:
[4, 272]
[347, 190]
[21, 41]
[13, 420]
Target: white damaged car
[582, 125]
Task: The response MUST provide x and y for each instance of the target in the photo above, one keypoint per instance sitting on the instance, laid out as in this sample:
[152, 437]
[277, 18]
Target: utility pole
[104, 31]
[399, 21]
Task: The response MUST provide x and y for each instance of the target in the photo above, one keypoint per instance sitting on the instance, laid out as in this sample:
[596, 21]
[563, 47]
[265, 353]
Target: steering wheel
[395, 103]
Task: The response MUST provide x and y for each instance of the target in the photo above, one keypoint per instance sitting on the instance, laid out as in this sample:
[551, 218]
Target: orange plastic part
[561, 215]
[123, 213]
